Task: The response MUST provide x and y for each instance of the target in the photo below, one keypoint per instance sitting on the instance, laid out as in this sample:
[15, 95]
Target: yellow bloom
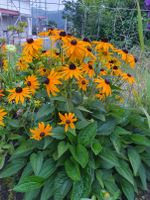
[22, 64]
[74, 49]
[32, 83]
[68, 120]
[88, 69]
[43, 71]
[128, 58]
[101, 96]
[83, 83]
[51, 83]
[2, 115]
[5, 64]
[103, 45]
[104, 86]
[32, 47]
[70, 71]
[102, 72]
[19, 94]
[113, 62]
[41, 131]
[129, 78]
[116, 71]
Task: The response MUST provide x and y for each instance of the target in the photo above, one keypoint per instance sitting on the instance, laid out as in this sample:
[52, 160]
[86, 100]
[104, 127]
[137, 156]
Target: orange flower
[83, 83]
[68, 120]
[104, 86]
[2, 115]
[51, 83]
[129, 78]
[19, 94]
[41, 132]
[70, 71]
[128, 58]
[88, 69]
[32, 83]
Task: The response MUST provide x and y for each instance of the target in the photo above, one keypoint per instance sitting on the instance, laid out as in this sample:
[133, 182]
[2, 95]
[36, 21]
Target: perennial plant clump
[64, 123]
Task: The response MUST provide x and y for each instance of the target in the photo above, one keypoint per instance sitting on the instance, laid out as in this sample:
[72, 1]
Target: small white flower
[11, 48]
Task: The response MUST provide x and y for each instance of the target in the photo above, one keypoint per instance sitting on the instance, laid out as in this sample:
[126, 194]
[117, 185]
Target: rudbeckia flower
[83, 83]
[68, 120]
[5, 64]
[19, 94]
[74, 49]
[51, 83]
[102, 72]
[41, 131]
[1, 93]
[22, 64]
[70, 71]
[128, 58]
[103, 45]
[2, 115]
[129, 78]
[88, 69]
[116, 71]
[104, 86]
[32, 47]
[32, 83]
[101, 96]
[113, 62]
[43, 71]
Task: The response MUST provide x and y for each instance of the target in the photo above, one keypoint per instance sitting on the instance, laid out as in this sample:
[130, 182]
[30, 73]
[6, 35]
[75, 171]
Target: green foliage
[111, 156]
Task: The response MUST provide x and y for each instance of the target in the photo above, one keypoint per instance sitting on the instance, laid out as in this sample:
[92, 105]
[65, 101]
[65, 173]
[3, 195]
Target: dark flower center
[105, 53]
[135, 59]
[44, 51]
[72, 66]
[89, 49]
[44, 70]
[83, 82]
[29, 83]
[129, 75]
[30, 40]
[46, 81]
[90, 66]
[111, 61]
[68, 121]
[42, 134]
[102, 70]
[69, 34]
[115, 67]
[74, 42]
[104, 40]
[18, 90]
[107, 82]
[57, 53]
[50, 29]
[125, 51]
[86, 39]
[62, 34]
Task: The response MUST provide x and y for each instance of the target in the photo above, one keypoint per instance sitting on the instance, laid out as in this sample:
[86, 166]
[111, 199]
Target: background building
[13, 11]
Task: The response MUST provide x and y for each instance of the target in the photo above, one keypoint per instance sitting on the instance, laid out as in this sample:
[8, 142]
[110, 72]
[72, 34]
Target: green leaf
[87, 134]
[62, 148]
[48, 189]
[44, 111]
[82, 188]
[135, 160]
[12, 168]
[80, 154]
[99, 175]
[48, 168]
[116, 141]
[2, 160]
[96, 147]
[58, 133]
[29, 183]
[121, 131]
[27, 171]
[110, 157]
[82, 124]
[31, 195]
[106, 128]
[62, 185]
[142, 174]
[128, 189]
[72, 169]
[140, 26]
[125, 171]
[36, 161]
[14, 123]
[141, 140]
